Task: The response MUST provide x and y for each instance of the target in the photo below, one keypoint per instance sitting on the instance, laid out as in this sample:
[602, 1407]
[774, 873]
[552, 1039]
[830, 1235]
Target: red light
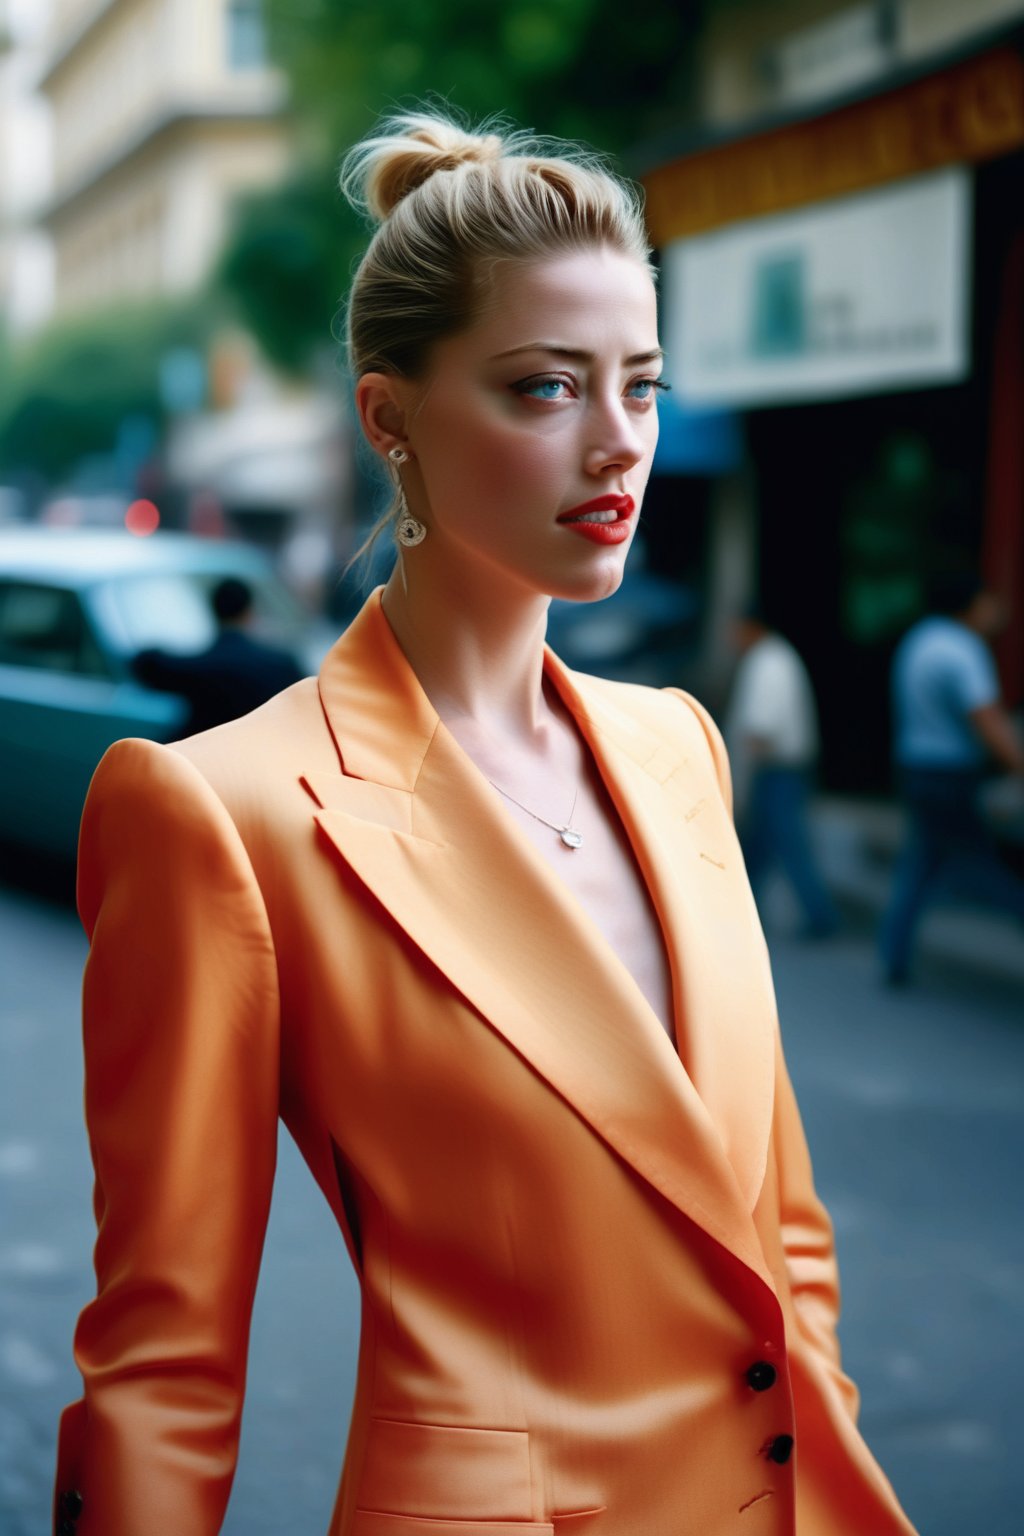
[142, 518]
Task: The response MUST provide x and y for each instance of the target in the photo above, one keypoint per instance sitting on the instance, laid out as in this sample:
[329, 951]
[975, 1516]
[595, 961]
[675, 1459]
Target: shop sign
[832, 55]
[971, 112]
[858, 296]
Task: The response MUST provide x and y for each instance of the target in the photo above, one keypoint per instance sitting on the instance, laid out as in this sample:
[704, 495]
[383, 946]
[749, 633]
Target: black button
[780, 1449]
[761, 1376]
[71, 1503]
[65, 1528]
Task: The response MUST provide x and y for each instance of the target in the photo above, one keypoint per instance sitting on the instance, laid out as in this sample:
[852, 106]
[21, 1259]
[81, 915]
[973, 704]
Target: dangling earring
[409, 531]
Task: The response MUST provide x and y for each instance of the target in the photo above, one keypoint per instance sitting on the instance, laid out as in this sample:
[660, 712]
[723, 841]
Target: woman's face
[547, 404]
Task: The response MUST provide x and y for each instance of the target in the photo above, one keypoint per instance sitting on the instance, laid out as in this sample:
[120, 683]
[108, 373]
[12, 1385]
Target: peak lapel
[429, 837]
[685, 842]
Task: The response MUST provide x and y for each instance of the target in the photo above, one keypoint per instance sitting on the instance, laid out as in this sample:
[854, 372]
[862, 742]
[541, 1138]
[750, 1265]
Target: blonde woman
[478, 928]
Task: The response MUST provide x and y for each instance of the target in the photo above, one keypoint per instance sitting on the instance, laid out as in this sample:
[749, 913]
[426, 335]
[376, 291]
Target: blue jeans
[946, 842]
[775, 831]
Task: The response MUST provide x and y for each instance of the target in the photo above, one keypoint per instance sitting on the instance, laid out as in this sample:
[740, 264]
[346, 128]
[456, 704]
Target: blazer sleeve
[807, 1239]
[180, 1011]
[807, 1234]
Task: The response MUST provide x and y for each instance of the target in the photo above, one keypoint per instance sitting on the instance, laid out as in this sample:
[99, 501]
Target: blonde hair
[450, 203]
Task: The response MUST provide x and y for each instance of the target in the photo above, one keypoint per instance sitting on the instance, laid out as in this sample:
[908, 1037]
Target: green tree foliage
[65, 394]
[594, 70]
[284, 265]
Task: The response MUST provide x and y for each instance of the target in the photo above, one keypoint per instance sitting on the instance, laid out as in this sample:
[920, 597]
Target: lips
[602, 510]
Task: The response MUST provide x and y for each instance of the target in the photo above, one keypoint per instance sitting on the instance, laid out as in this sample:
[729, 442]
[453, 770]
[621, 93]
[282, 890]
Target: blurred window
[171, 612]
[174, 611]
[45, 627]
[246, 35]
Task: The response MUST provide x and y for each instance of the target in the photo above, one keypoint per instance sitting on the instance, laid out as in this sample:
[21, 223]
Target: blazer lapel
[684, 840]
[422, 829]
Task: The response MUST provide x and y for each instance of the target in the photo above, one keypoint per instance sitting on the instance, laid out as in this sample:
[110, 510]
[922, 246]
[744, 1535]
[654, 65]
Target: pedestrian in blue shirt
[949, 722]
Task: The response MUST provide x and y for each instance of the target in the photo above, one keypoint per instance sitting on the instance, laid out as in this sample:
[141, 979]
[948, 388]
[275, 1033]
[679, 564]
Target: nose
[616, 439]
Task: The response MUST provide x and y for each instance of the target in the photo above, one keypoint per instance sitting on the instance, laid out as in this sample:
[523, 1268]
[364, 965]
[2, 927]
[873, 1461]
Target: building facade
[163, 112]
[842, 240]
[26, 282]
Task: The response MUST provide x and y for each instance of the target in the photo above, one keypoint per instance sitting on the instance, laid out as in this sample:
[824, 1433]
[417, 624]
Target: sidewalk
[857, 842]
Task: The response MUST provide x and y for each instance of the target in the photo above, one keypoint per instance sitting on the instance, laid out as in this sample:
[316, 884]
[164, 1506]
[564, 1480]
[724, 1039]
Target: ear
[380, 402]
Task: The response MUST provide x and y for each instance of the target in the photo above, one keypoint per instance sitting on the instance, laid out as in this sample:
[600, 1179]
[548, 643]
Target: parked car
[76, 606]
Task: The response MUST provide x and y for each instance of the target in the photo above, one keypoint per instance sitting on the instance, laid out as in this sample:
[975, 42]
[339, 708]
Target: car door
[63, 700]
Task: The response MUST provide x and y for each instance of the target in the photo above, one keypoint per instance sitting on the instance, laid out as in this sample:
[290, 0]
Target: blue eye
[542, 389]
[646, 389]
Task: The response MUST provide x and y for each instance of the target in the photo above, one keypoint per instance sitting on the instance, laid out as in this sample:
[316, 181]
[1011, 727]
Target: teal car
[75, 608]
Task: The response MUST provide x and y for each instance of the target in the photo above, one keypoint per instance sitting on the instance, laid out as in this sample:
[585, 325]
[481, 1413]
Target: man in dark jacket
[232, 676]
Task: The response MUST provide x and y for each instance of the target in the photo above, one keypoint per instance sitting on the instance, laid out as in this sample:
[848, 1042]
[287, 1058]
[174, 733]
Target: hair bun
[405, 152]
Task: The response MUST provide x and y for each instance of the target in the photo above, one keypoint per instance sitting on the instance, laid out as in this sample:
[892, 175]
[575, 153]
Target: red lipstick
[591, 518]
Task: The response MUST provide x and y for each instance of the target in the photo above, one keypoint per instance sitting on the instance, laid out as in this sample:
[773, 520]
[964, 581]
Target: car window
[45, 627]
[173, 611]
[170, 611]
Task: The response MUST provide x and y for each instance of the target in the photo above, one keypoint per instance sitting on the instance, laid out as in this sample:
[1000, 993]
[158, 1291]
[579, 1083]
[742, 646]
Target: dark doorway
[855, 499]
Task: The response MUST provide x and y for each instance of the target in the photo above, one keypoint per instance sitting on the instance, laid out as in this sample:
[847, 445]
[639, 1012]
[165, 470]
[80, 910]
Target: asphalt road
[912, 1103]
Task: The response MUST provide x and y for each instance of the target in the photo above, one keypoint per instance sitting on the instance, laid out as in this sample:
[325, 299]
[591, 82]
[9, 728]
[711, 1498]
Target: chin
[593, 585]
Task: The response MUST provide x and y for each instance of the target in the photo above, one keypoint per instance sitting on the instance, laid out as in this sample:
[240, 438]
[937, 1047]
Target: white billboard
[855, 296]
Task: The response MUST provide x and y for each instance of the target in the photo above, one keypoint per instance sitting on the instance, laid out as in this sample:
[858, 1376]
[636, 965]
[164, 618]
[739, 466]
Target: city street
[303, 304]
[912, 1102]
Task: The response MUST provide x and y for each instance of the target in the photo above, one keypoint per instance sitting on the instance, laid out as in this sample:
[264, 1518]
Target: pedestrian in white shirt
[771, 728]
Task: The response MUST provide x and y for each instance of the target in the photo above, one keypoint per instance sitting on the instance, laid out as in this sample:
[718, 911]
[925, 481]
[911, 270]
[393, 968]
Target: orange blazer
[599, 1293]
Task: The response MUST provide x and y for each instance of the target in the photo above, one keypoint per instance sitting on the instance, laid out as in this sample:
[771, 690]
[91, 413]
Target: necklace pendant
[570, 837]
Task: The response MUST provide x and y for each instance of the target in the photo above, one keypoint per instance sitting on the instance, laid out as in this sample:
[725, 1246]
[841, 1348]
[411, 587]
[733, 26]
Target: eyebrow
[655, 355]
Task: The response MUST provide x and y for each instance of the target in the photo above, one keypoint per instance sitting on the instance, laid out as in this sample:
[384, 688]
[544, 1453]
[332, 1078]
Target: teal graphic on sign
[779, 324]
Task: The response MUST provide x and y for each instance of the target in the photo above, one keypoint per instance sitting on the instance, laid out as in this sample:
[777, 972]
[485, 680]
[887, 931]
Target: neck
[478, 650]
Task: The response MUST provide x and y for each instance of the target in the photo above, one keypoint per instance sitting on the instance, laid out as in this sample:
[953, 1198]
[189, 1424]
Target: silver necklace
[568, 833]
